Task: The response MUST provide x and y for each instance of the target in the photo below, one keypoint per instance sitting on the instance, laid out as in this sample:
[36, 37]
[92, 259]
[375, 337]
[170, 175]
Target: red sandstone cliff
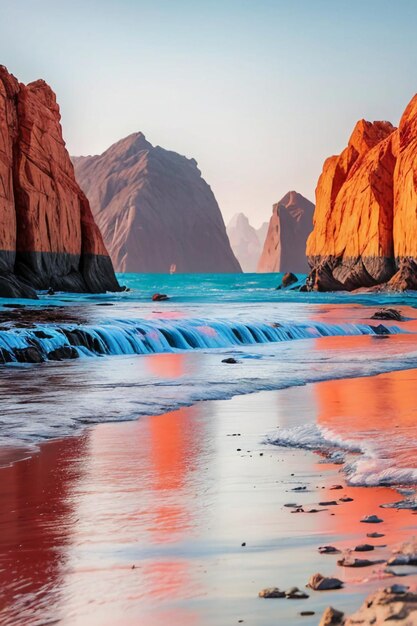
[48, 237]
[285, 242]
[154, 209]
[365, 222]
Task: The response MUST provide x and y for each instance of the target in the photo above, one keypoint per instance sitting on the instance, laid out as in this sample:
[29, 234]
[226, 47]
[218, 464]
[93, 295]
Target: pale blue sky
[259, 92]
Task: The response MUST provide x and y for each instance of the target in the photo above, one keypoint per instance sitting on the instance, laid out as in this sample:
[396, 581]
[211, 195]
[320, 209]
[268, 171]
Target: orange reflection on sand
[173, 440]
[167, 365]
[361, 409]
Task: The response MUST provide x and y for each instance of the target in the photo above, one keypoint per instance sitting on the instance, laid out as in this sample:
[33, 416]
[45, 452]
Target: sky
[259, 92]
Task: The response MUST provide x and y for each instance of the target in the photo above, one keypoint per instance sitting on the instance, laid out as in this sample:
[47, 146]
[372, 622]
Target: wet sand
[143, 522]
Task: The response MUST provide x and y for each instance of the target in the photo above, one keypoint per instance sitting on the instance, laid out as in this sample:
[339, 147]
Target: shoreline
[174, 497]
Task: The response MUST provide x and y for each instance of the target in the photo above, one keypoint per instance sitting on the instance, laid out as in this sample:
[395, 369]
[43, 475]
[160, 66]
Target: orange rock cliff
[365, 221]
[48, 237]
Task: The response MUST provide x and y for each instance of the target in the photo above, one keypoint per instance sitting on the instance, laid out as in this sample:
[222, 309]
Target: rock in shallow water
[318, 582]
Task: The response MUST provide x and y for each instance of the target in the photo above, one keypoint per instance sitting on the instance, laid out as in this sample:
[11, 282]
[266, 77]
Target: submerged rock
[28, 355]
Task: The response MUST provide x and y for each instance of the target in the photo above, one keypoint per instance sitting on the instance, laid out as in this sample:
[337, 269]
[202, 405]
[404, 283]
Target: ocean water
[139, 357]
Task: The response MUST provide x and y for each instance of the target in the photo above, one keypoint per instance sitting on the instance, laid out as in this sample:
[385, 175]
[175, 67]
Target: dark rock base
[21, 276]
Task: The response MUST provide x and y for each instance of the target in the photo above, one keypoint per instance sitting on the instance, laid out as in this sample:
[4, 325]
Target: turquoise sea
[139, 357]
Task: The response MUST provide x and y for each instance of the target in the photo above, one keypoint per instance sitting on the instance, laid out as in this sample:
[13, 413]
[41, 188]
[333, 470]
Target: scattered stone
[375, 535]
[364, 547]
[271, 592]
[159, 297]
[292, 505]
[386, 606]
[397, 589]
[306, 613]
[345, 499]
[392, 572]
[336, 487]
[318, 582]
[330, 503]
[348, 561]
[328, 550]
[299, 488]
[331, 617]
[371, 519]
[294, 593]
[230, 360]
[406, 555]
[387, 314]
[243, 544]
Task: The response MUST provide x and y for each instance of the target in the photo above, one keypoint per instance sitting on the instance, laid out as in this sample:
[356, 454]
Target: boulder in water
[62, 353]
[159, 297]
[318, 582]
[387, 314]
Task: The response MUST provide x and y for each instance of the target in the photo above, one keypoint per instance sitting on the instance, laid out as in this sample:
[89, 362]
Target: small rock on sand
[329, 503]
[230, 361]
[331, 617]
[394, 604]
[318, 582]
[364, 547]
[294, 593]
[375, 535]
[271, 592]
[371, 519]
[328, 550]
[350, 562]
[346, 499]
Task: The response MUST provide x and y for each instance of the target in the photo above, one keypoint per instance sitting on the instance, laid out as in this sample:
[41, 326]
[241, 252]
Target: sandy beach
[180, 518]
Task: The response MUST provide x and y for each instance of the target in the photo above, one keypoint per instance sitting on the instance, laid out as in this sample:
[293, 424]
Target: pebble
[328, 550]
[364, 547]
[271, 592]
[371, 519]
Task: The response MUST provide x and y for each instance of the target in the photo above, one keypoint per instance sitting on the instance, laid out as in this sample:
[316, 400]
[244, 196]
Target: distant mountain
[154, 209]
[285, 244]
[246, 241]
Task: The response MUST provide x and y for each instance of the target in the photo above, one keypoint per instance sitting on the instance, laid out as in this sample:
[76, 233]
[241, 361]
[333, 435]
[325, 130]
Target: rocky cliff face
[246, 241]
[285, 242]
[155, 210]
[48, 237]
[365, 222]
